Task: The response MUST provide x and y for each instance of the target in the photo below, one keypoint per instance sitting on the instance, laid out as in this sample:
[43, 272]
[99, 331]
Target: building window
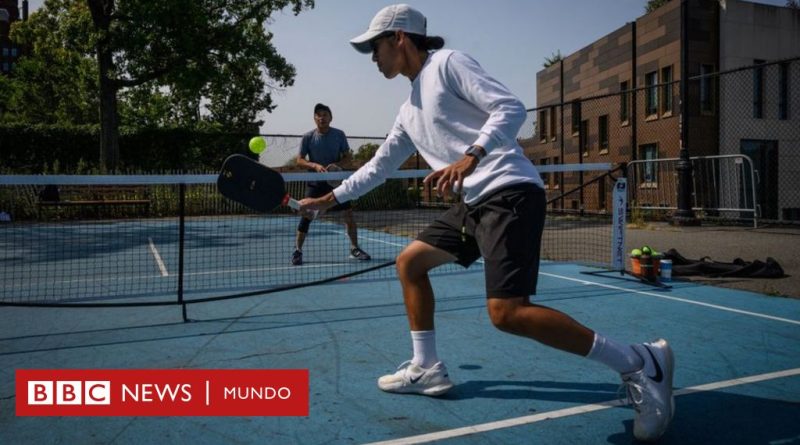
[648, 153]
[585, 137]
[666, 90]
[706, 89]
[624, 103]
[553, 123]
[556, 175]
[602, 200]
[602, 129]
[651, 93]
[783, 85]
[5, 67]
[576, 118]
[758, 90]
[13, 52]
[542, 125]
[5, 52]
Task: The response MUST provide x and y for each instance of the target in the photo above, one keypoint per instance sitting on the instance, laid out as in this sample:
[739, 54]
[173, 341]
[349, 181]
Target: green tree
[180, 62]
[652, 5]
[553, 59]
[365, 152]
[53, 83]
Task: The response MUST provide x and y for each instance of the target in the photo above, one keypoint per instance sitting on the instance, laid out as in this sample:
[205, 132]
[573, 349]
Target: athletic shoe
[358, 254]
[650, 390]
[297, 258]
[412, 378]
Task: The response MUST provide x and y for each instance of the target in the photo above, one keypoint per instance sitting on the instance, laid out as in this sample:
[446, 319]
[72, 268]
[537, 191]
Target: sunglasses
[374, 42]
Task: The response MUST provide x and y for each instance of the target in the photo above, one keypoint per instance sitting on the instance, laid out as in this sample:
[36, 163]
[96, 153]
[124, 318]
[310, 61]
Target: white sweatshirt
[453, 104]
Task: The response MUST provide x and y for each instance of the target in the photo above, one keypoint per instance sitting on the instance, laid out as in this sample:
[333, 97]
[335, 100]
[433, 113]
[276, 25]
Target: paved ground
[723, 243]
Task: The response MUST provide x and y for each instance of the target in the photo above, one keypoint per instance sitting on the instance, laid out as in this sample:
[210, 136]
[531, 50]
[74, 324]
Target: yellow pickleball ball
[257, 144]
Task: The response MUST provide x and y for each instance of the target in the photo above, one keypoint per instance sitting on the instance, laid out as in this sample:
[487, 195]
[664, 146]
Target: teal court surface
[737, 377]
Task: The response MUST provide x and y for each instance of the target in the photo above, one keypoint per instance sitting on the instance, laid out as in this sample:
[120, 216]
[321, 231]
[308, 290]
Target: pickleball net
[127, 240]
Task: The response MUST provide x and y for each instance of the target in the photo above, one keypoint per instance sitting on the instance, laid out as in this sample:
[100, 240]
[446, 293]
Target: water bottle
[666, 270]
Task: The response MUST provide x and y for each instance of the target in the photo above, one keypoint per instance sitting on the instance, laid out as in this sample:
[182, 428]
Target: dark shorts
[505, 229]
[320, 189]
[317, 190]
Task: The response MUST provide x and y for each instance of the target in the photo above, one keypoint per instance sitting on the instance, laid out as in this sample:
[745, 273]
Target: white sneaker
[412, 378]
[650, 390]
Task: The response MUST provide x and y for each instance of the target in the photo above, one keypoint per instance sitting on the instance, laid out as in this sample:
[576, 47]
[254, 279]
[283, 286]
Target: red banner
[162, 392]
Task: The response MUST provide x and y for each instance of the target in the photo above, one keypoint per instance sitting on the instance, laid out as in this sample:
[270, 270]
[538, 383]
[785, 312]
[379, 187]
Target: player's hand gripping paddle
[254, 185]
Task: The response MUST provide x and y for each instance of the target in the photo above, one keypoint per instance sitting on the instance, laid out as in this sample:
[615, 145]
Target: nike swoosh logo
[415, 380]
[659, 374]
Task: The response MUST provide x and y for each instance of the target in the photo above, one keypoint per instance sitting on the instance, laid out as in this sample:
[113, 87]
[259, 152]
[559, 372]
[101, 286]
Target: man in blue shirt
[319, 149]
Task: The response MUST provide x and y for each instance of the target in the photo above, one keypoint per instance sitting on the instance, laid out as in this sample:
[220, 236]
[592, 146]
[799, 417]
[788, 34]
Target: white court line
[370, 239]
[666, 297]
[566, 412]
[157, 257]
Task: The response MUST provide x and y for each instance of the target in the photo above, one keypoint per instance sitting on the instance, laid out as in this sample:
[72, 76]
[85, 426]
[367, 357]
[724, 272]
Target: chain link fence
[751, 112]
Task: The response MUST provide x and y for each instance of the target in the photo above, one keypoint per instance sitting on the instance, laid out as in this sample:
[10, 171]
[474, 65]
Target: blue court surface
[737, 364]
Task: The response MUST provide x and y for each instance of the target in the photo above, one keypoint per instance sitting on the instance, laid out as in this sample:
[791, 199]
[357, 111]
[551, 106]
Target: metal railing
[723, 188]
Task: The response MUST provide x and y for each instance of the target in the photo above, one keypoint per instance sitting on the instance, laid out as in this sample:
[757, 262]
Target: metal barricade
[723, 188]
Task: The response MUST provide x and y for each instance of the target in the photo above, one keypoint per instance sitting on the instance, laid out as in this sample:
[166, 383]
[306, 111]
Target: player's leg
[424, 373]
[300, 239]
[510, 246]
[303, 227]
[438, 244]
[356, 251]
[413, 265]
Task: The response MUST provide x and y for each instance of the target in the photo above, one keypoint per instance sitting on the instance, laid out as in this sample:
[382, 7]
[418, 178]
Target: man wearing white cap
[464, 124]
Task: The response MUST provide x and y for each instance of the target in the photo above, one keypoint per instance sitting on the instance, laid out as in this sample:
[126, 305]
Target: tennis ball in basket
[646, 250]
[636, 252]
[258, 144]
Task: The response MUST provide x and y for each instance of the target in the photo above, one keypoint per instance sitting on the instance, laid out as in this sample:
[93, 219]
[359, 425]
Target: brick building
[10, 13]
[619, 100]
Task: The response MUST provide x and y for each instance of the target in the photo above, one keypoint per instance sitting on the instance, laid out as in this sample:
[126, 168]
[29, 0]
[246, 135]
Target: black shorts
[320, 189]
[505, 229]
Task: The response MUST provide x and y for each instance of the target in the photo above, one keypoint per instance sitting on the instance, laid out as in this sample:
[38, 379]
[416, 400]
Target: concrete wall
[750, 32]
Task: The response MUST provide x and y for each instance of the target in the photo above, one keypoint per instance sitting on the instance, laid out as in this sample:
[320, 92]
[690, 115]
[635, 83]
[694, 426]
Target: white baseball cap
[391, 18]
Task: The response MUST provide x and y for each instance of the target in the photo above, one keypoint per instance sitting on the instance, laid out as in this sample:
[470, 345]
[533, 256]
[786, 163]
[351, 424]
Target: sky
[509, 38]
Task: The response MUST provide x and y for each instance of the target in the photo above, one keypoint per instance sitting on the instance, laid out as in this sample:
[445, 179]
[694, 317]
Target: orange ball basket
[636, 266]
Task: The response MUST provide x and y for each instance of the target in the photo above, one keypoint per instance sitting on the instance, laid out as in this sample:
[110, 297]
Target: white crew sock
[619, 357]
[424, 343]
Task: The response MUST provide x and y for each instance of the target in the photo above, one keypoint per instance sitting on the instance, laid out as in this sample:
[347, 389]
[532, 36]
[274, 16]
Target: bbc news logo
[191, 392]
[70, 392]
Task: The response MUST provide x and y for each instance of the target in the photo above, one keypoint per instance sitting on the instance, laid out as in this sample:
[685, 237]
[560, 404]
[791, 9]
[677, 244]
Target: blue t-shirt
[324, 149]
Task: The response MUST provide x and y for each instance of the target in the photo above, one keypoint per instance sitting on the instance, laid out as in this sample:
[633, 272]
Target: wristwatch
[476, 151]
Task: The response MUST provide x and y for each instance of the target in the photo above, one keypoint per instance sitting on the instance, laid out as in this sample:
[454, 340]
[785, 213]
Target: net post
[181, 233]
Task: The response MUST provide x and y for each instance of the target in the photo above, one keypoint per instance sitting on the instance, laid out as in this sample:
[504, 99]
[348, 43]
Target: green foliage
[54, 82]
[365, 152]
[652, 5]
[34, 149]
[198, 64]
[553, 59]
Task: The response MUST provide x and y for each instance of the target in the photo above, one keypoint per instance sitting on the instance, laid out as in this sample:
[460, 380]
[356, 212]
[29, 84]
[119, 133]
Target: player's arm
[453, 175]
[302, 162]
[318, 204]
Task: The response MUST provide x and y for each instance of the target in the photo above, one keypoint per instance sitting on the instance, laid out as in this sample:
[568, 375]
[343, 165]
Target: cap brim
[362, 42]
